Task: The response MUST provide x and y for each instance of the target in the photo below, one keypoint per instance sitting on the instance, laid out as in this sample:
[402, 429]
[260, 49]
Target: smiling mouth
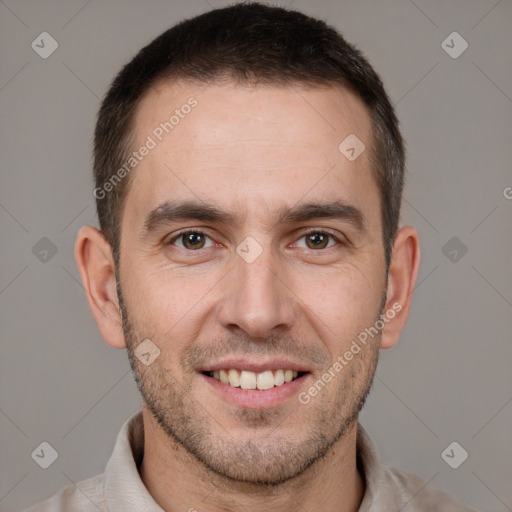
[245, 379]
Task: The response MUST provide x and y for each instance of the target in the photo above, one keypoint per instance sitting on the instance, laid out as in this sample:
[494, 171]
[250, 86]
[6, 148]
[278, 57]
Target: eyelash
[310, 232]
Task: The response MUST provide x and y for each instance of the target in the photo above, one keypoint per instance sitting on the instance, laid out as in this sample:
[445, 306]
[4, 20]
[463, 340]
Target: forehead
[278, 113]
[249, 147]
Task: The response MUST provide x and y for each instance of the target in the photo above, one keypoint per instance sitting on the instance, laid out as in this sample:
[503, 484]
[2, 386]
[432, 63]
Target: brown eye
[191, 240]
[317, 240]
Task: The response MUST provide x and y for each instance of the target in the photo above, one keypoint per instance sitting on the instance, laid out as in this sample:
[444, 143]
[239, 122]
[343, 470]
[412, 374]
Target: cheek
[166, 305]
[340, 304]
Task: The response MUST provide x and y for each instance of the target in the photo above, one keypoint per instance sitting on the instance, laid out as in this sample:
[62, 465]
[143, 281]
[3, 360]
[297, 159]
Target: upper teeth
[250, 380]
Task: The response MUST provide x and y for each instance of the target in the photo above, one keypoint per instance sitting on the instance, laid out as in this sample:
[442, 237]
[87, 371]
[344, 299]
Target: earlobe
[402, 275]
[95, 262]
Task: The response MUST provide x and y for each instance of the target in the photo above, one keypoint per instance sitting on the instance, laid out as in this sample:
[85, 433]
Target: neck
[177, 481]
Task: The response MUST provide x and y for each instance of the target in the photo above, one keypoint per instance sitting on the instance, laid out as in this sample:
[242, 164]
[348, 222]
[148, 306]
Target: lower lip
[256, 399]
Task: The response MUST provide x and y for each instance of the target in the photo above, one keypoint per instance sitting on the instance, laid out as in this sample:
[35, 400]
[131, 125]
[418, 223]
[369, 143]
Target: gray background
[449, 377]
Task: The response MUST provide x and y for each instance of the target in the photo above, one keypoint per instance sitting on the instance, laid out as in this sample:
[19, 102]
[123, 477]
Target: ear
[93, 255]
[402, 274]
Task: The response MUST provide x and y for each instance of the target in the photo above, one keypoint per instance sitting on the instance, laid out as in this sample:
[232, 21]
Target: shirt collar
[123, 487]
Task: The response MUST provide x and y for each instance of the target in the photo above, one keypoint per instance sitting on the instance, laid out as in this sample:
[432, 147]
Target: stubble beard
[266, 454]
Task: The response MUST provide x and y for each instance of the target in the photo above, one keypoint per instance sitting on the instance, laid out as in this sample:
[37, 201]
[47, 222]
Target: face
[251, 252]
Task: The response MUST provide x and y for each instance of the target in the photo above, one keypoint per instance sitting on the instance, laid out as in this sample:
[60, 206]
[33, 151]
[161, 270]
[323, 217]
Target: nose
[257, 298]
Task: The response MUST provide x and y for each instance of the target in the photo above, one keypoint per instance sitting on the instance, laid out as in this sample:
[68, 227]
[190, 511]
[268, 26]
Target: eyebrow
[171, 211]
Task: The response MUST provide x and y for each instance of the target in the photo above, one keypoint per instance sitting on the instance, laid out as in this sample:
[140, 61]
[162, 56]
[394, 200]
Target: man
[249, 173]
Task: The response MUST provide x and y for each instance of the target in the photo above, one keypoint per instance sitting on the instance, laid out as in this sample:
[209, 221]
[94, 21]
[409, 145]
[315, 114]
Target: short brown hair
[248, 43]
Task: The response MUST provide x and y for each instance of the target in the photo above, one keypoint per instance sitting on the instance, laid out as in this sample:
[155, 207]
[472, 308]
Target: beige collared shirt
[120, 489]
